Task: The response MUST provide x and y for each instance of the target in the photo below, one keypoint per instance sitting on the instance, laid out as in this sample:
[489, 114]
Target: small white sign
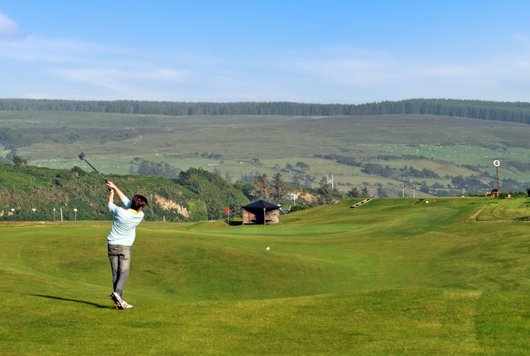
[496, 163]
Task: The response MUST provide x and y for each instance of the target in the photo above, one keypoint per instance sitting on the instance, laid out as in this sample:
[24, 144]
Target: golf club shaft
[82, 157]
[94, 168]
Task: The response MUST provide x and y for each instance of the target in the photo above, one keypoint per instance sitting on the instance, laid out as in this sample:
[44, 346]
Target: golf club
[83, 158]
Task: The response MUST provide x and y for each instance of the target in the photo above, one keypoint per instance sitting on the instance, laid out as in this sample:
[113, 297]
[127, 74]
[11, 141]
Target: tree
[213, 190]
[488, 110]
[228, 177]
[19, 161]
[302, 166]
[261, 187]
[198, 210]
[296, 181]
[155, 169]
[365, 193]
[353, 193]
[278, 188]
[325, 194]
[381, 192]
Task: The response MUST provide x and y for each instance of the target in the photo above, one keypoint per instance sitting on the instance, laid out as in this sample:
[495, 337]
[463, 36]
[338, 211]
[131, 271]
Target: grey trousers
[120, 262]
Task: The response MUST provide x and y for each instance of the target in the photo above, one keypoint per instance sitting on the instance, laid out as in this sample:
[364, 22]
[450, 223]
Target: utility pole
[497, 163]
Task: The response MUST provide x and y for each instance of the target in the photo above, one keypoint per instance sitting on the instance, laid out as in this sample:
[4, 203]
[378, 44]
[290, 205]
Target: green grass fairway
[395, 276]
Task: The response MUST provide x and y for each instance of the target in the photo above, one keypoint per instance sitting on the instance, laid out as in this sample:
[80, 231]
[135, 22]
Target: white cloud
[69, 69]
[8, 27]
[125, 83]
[86, 68]
[39, 49]
[362, 76]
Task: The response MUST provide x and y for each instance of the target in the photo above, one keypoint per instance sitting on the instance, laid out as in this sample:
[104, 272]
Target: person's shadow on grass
[73, 301]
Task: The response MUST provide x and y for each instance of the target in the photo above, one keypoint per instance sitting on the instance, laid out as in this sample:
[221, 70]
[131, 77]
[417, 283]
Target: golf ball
[268, 248]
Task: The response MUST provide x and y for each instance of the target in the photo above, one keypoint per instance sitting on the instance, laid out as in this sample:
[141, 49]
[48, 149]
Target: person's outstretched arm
[114, 188]
[111, 196]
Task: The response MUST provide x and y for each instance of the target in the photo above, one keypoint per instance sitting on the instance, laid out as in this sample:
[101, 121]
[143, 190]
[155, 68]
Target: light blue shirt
[123, 230]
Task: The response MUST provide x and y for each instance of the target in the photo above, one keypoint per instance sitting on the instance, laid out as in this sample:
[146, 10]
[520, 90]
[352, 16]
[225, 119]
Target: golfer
[121, 238]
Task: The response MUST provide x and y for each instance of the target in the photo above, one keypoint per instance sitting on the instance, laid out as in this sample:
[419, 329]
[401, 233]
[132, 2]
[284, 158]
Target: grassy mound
[393, 276]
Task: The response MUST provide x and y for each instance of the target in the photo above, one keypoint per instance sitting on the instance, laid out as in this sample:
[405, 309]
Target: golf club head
[82, 158]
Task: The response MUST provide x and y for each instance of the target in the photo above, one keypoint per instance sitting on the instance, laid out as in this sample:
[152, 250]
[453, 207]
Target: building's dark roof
[261, 204]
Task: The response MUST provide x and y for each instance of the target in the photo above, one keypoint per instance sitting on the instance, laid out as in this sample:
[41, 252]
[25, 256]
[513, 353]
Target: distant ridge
[488, 110]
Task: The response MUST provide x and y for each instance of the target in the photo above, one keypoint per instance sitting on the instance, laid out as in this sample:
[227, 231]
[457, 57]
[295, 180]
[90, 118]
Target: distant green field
[450, 146]
[395, 276]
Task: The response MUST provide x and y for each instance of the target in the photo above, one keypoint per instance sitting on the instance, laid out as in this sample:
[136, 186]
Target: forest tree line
[487, 110]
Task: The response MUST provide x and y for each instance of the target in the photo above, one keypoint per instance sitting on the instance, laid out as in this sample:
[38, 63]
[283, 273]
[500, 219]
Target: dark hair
[138, 202]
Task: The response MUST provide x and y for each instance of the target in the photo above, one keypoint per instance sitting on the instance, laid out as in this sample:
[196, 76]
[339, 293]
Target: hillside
[422, 149]
[52, 191]
[396, 276]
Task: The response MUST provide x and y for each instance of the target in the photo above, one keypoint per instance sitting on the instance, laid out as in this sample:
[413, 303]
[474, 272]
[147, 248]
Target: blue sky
[319, 51]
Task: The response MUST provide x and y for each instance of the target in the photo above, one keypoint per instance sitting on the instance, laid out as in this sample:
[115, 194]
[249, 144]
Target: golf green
[394, 276]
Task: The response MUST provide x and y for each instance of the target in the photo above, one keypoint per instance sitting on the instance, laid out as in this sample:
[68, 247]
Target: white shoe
[117, 300]
[125, 305]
